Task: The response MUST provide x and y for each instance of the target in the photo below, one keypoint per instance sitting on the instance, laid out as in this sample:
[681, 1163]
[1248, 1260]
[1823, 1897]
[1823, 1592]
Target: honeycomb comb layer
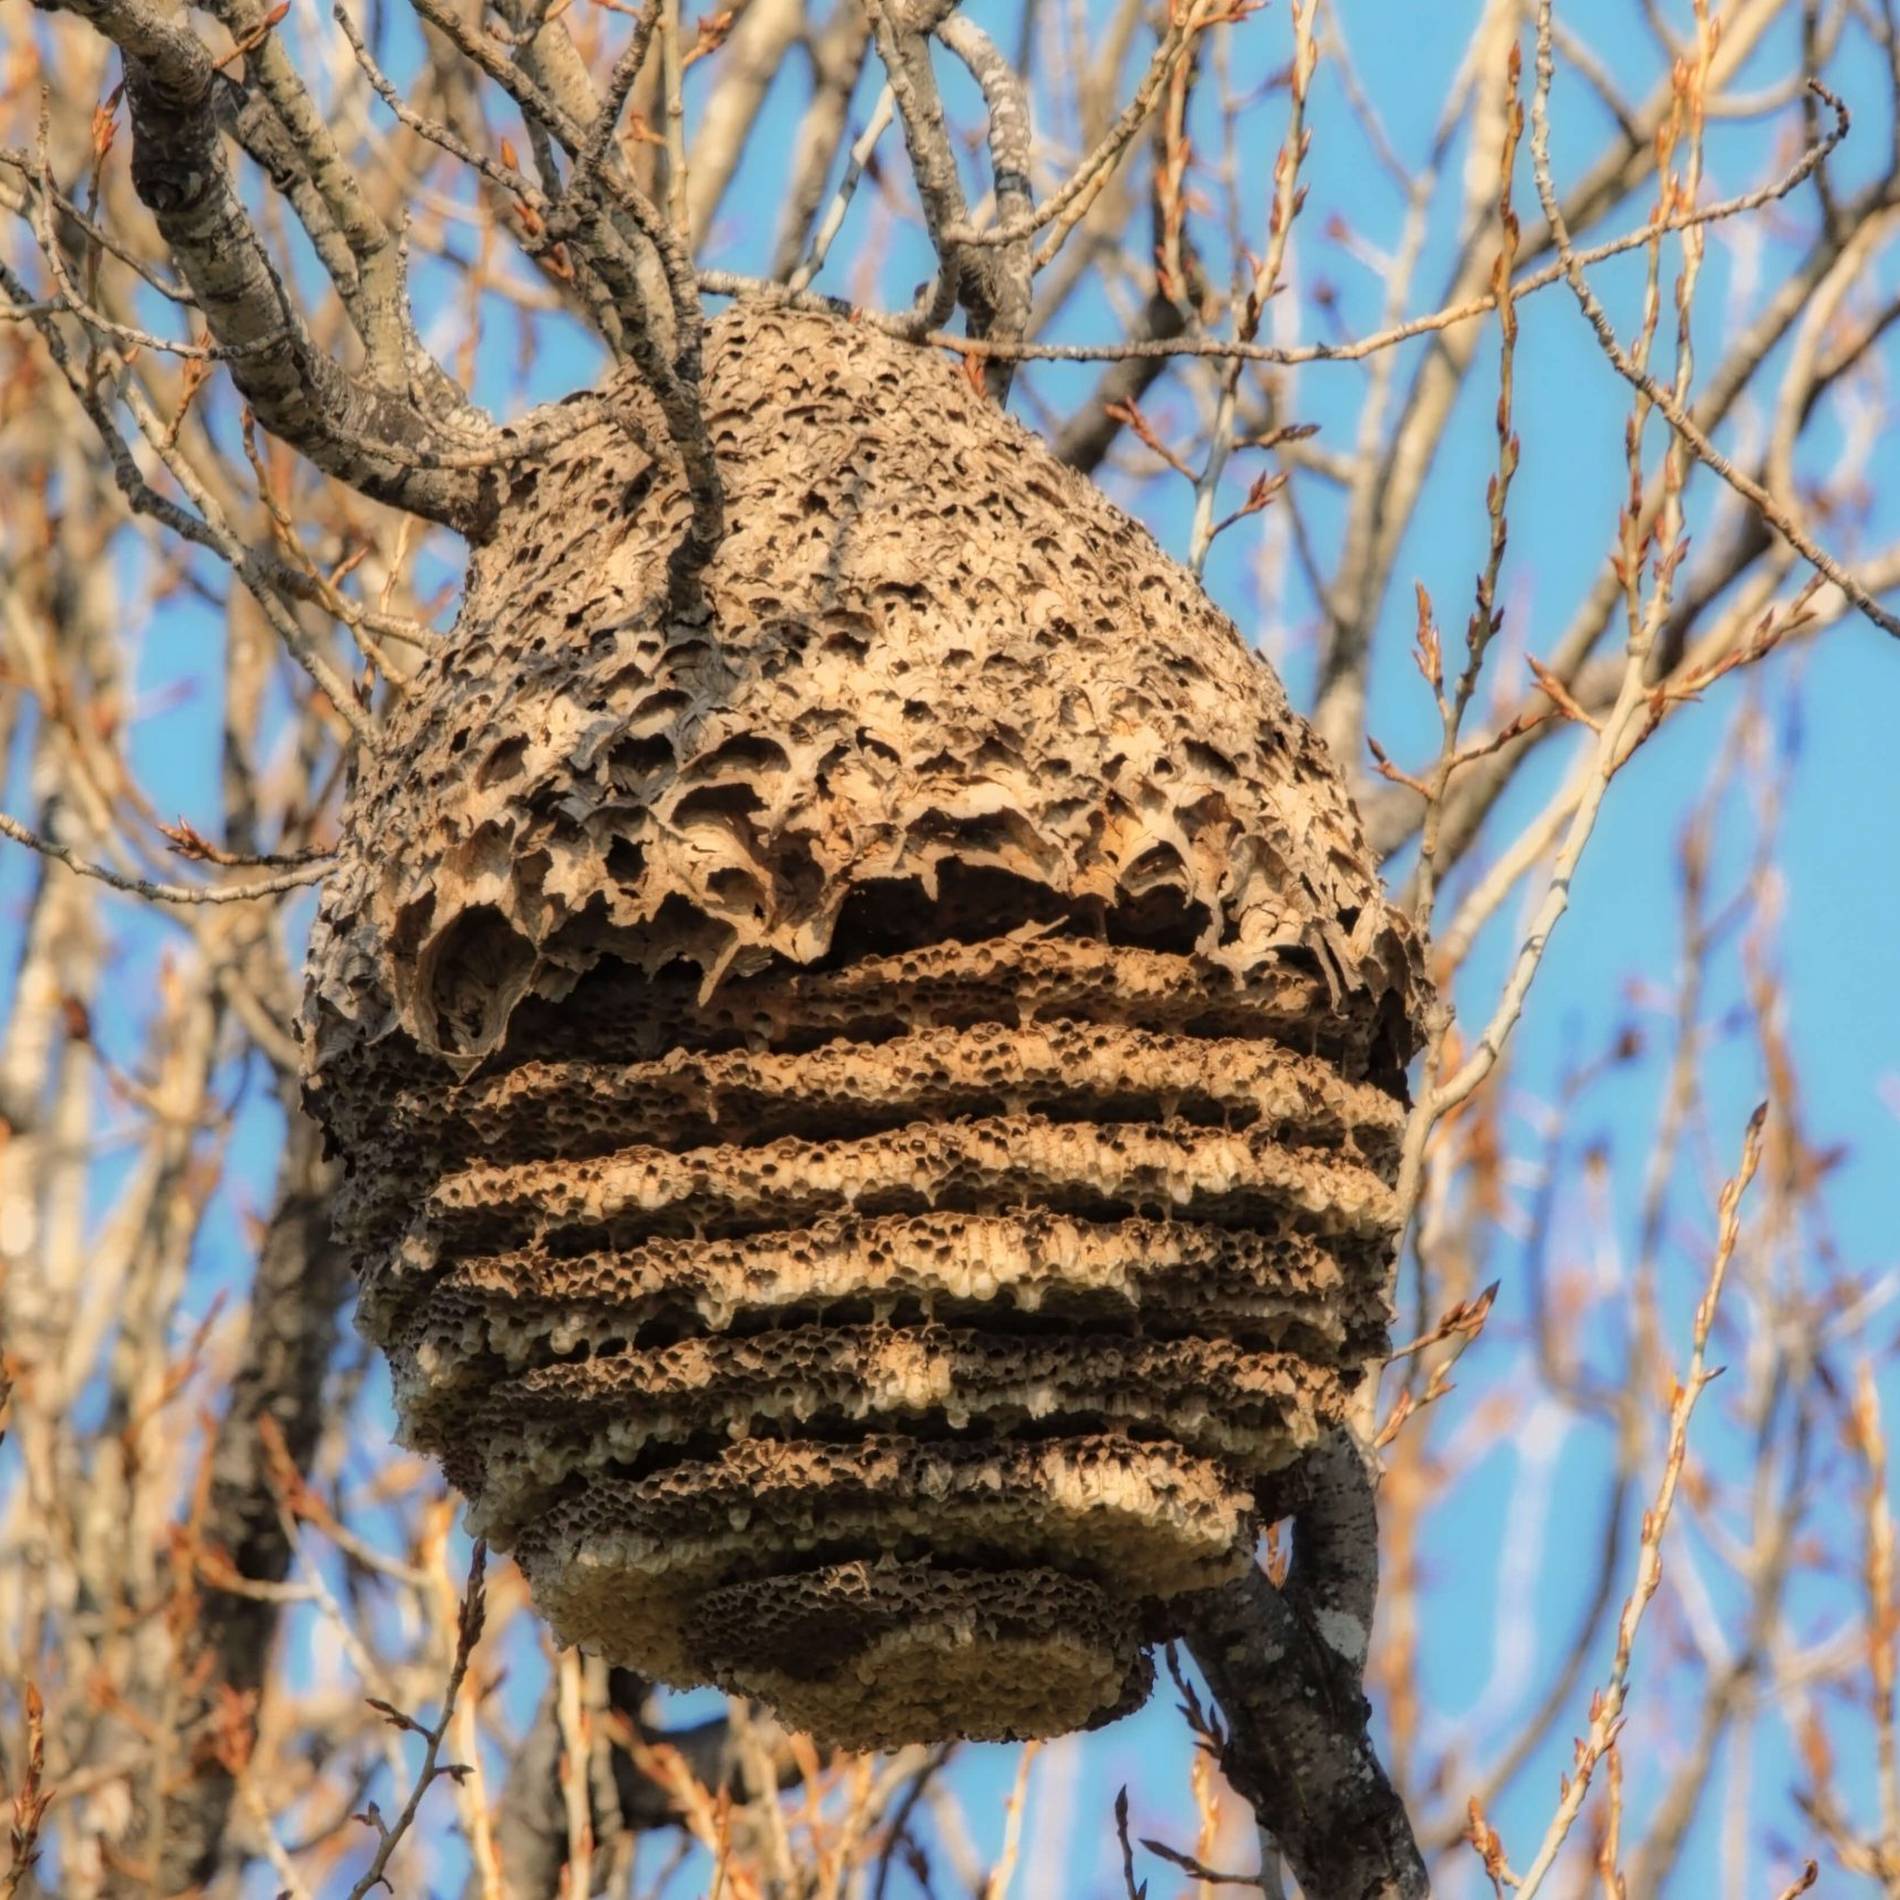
[485, 1317]
[525, 1437]
[1102, 1071]
[872, 1654]
[1230, 1178]
[618, 1565]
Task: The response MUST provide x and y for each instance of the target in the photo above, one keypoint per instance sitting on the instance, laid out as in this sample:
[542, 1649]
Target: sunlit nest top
[870, 1083]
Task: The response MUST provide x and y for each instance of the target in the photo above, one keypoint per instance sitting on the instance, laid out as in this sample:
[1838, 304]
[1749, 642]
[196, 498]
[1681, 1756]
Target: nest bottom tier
[899, 1373]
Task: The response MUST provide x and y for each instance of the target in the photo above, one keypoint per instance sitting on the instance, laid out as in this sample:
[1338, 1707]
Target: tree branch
[372, 438]
[838, 56]
[375, 291]
[1285, 1665]
[1007, 272]
[531, 1828]
[296, 1301]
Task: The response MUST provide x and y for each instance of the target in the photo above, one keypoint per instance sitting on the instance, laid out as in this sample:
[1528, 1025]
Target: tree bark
[296, 1301]
[1284, 1665]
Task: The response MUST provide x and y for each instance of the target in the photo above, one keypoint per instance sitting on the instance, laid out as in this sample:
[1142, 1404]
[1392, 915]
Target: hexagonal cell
[874, 1654]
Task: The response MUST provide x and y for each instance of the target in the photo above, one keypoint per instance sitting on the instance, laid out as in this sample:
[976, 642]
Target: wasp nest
[870, 1074]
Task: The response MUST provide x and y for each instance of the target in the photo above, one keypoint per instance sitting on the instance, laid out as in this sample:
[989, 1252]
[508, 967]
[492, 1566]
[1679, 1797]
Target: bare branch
[1639, 378]
[1606, 1713]
[299, 879]
[1297, 1746]
[357, 431]
[1008, 270]
[468, 1634]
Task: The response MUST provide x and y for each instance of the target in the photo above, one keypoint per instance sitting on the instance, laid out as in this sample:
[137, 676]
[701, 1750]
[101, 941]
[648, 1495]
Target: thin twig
[735, 284]
[1606, 1708]
[30, 1799]
[467, 1634]
[1780, 516]
[295, 880]
[833, 220]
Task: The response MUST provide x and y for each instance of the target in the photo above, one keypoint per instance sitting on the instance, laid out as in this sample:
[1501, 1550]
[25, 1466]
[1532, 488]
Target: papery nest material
[871, 1079]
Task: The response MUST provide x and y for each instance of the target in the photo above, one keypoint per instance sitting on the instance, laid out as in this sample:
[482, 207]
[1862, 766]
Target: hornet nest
[870, 1080]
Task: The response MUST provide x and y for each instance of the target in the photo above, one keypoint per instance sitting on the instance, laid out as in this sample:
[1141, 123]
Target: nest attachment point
[870, 1081]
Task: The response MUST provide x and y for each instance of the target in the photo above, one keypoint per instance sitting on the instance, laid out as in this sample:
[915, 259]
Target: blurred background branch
[1582, 316]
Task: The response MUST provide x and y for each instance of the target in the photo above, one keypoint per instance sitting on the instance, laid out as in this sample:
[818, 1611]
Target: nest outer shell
[925, 658]
[870, 1077]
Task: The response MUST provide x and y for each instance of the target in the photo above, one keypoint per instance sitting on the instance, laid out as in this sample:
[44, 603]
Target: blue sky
[1829, 708]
